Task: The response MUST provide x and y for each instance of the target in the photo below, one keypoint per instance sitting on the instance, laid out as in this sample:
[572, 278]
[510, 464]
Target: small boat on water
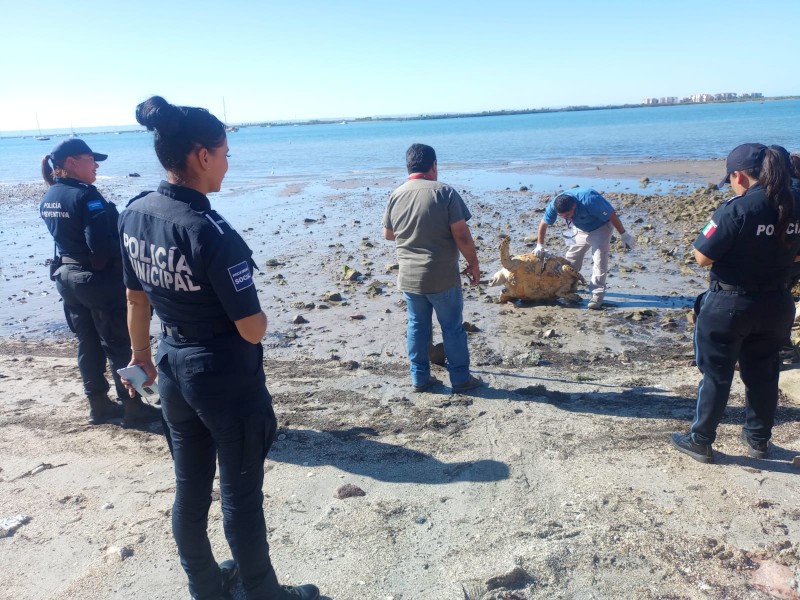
[40, 136]
[228, 128]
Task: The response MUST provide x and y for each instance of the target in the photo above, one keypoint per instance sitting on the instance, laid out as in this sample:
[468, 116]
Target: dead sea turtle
[535, 278]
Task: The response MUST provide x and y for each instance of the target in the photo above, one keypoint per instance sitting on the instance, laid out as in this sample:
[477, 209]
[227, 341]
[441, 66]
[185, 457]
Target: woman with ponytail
[188, 263]
[88, 275]
[750, 243]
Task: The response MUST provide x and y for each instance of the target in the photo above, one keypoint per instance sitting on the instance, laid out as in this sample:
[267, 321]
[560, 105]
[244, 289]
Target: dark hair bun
[155, 113]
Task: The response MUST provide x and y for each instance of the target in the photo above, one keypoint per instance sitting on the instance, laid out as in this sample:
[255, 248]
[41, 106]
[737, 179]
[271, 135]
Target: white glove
[539, 250]
[629, 240]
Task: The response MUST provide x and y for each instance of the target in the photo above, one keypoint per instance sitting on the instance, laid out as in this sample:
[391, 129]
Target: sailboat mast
[225, 117]
[40, 136]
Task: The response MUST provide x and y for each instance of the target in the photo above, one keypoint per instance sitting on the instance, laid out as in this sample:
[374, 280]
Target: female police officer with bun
[750, 242]
[185, 260]
[88, 275]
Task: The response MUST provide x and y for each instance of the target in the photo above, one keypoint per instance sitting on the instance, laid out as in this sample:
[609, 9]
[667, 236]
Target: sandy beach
[555, 480]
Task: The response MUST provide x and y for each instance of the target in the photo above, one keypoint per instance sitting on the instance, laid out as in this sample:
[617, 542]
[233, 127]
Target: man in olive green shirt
[428, 221]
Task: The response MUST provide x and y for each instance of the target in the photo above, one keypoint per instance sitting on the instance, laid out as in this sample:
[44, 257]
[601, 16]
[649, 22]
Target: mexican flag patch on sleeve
[709, 229]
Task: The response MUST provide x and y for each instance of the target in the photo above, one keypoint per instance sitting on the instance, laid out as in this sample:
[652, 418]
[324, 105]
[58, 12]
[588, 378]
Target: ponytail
[775, 176]
[47, 170]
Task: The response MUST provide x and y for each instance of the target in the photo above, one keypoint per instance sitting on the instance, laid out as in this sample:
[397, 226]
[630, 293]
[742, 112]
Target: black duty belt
[716, 286]
[198, 331]
[68, 260]
[86, 263]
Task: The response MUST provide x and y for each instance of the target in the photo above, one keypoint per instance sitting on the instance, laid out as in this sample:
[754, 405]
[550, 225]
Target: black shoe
[138, 413]
[307, 591]
[102, 409]
[230, 576]
[754, 449]
[425, 386]
[685, 443]
[469, 384]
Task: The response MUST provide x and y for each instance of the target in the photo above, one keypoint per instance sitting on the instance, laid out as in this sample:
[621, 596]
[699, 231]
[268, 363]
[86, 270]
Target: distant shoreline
[421, 117]
[505, 112]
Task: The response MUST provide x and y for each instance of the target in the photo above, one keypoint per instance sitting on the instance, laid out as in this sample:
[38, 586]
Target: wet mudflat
[554, 480]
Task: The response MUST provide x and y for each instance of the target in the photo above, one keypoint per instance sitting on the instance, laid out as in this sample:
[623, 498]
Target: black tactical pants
[749, 328]
[96, 309]
[217, 407]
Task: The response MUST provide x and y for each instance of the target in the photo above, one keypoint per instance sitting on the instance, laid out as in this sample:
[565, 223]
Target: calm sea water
[259, 154]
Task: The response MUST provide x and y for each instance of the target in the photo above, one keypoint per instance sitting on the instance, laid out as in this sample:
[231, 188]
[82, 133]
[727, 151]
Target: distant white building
[650, 101]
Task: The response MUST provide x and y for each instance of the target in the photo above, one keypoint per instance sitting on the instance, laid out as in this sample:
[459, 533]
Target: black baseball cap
[73, 147]
[745, 157]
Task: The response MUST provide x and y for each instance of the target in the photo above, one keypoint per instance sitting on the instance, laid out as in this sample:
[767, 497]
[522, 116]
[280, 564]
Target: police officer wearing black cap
[87, 270]
[750, 243]
[788, 352]
[183, 258]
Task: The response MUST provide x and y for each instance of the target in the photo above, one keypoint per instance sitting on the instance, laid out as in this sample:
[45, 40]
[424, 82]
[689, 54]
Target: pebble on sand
[515, 578]
[120, 552]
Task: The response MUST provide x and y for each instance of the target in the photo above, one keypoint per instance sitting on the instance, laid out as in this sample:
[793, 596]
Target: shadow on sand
[354, 451]
[647, 403]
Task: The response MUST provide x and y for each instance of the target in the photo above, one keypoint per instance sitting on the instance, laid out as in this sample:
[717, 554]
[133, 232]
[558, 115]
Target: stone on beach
[777, 580]
[436, 354]
[350, 274]
[119, 552]
[9, 525]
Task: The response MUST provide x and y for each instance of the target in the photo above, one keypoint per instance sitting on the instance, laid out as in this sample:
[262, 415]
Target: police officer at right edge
[185, 260]
[750, 243]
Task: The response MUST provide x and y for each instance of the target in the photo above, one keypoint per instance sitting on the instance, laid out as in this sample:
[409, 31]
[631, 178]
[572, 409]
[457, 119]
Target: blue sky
[89, 63]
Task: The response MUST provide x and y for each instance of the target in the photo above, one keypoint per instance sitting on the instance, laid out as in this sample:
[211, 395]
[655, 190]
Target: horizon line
[136, 128]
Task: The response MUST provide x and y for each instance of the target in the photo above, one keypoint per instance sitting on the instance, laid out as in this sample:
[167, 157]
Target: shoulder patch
[710, 228]
[241, 276]
[95, 204]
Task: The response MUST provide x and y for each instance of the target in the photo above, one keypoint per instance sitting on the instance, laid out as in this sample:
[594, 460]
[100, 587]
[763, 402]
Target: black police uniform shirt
[741, 240]
[82, 222]
[193, 266]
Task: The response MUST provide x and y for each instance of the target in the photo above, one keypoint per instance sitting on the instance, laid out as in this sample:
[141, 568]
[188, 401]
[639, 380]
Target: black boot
[307, 591]
[230, 576]
[101, 409]
[139, 413]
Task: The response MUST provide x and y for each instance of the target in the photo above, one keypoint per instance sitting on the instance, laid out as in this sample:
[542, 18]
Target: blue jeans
[449, 306]
[218, 409]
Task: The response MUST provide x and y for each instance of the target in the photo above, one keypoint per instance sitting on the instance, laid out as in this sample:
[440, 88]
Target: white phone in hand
[136, 375]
